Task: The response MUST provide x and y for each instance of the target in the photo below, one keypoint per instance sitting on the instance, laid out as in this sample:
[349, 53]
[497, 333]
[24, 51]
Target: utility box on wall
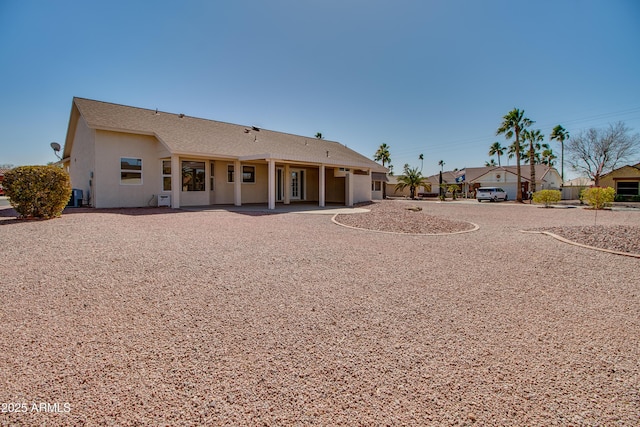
[76, 198]
[164, 200]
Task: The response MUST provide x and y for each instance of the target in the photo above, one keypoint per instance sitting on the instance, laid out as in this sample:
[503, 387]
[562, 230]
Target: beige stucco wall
[110, 147]
[361, 188]
[334, 187]
[82, 161]
[626, 173]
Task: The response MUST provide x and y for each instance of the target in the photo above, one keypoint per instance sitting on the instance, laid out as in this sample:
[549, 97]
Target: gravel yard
[163, 317]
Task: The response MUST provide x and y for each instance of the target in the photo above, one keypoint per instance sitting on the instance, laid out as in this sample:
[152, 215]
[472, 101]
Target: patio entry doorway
[297, 184]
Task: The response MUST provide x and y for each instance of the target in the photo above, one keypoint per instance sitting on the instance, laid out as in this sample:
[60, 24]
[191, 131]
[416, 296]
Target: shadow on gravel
[10, 216]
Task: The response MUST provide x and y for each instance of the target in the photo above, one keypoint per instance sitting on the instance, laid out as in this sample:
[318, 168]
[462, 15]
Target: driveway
[162, 317]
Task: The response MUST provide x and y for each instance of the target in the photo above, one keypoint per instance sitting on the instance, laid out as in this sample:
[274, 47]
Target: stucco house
[625, 180]
[470, 179]
[122, 156]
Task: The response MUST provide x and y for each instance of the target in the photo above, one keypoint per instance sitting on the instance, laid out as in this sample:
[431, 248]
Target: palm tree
[382, 155]
[496, 149]
[548, 157]
[534, 137]
[441, 164]
[490, 163]
[421, 158]
[413, 179]
[512, 124]
[560, 134]
[319, 135]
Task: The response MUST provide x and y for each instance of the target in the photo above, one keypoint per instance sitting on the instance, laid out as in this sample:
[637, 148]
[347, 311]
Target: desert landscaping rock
[170, 317]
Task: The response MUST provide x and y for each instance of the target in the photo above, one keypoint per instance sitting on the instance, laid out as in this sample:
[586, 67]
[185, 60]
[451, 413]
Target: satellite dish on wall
[56, 148]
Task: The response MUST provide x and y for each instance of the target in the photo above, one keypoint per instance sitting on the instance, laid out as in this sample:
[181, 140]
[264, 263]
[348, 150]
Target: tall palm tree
[535, 137]
[421, 158]
[560, 134]
[548, 157]
[496, 150]
[382, 155]
[319, 135]
[490, 163]
[441, 164]
[512, 124]
[413, 179]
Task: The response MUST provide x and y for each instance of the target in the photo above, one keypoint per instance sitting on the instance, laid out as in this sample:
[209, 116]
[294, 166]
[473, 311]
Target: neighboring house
[449, 178]
[121, 156]
[505, 177]
[571, 189]
[625, 180]
[391, 190]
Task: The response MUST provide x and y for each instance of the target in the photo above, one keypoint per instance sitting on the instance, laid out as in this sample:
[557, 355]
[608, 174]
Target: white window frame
[231, 173]
[164, 175]
[252, 174]
[132, 170]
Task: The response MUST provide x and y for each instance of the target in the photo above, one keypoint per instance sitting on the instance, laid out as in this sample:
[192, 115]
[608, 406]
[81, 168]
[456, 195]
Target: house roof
[579, 182]
[636, 166]
[184, 135]
[472, 174]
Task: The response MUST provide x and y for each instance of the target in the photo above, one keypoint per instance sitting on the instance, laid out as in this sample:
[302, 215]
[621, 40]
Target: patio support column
[271, 183]
[176, 181]
[348, 181]
[321, 187]
[237, 183]
[287, 184]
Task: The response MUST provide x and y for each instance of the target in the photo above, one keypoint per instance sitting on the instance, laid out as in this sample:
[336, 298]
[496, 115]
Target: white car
[492, 194]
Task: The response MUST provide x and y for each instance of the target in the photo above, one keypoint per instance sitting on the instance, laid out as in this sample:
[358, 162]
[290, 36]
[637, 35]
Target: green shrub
[599, 197]
[547, 197]
[38, 191]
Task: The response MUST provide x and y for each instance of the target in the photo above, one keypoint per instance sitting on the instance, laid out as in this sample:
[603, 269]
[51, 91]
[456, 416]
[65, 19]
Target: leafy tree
[598, 151]
[382, 155]
[535, 137]
[413, 179]
[513, 123]
[560, 134]
[496, 150]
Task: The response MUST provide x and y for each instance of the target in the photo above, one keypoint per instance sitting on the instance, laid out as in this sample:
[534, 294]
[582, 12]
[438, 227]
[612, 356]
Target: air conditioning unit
[164, 200]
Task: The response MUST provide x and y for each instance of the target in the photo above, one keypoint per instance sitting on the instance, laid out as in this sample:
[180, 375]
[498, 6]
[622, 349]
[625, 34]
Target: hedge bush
[598, 197]
[37, 191]
[547, 197]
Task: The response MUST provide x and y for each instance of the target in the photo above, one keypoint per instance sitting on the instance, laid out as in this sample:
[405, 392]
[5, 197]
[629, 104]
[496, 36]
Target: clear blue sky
[431, 77]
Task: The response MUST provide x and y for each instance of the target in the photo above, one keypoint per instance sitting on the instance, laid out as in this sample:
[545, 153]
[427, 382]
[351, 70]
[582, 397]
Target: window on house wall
[130, 171]
[249, 174]
[627, 188]
[193, 177]
[376, 185]
[230, 173]
[211, 178]
[166, 175]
